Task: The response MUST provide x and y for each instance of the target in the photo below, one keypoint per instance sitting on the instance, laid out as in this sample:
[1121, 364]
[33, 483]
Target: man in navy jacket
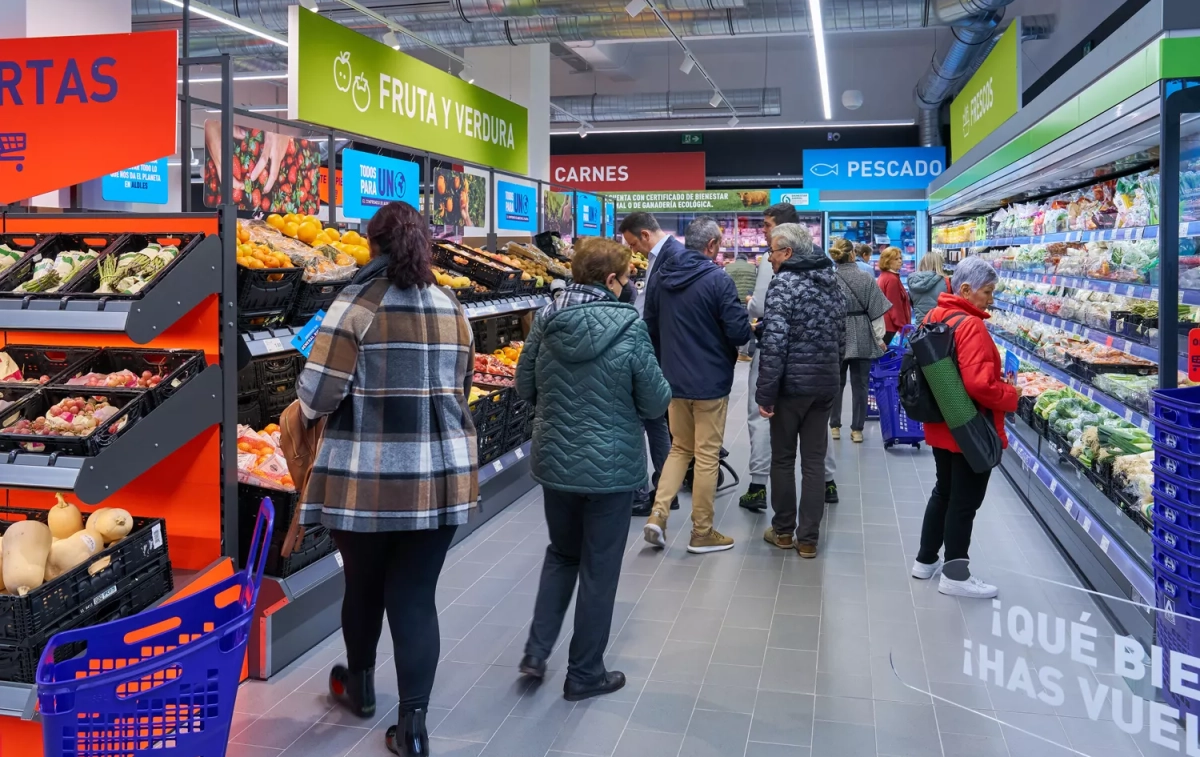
[696, 323]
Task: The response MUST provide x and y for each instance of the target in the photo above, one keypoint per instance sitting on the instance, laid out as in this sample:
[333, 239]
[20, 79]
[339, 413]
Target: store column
[520, 74]
[63, 18]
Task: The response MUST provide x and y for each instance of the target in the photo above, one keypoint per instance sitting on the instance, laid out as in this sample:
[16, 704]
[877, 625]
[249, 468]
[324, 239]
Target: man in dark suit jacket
[642, 232]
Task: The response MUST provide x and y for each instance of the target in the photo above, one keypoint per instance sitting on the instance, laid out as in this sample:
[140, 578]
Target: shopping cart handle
[256, 558]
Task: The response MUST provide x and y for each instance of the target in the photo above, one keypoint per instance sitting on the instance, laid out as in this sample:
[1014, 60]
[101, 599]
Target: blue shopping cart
[160, 683]
[894, 424]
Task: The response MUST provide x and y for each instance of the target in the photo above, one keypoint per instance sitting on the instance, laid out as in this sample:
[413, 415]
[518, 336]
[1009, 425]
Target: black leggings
[950, 514]
[397, 571]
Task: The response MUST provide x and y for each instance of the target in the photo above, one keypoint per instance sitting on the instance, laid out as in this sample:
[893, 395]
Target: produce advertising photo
[272, 173]
[459, 198]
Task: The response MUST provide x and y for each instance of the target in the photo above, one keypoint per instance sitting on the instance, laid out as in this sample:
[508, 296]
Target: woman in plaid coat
[397, 468]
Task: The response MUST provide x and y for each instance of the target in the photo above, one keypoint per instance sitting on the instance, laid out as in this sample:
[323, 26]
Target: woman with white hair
[959, 491]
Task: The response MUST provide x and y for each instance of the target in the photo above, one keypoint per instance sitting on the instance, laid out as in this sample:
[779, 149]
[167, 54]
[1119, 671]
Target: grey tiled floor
[748, 653]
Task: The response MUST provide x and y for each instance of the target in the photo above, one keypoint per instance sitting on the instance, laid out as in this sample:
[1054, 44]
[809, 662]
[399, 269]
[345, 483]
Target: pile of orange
[308, 229]
[353, 244]
[259, 255]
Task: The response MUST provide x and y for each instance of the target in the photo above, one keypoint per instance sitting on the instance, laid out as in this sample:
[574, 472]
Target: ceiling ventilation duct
[974, 23]
[664, 106]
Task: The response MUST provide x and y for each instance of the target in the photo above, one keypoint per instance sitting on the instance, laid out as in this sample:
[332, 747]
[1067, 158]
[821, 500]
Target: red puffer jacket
[980, 366]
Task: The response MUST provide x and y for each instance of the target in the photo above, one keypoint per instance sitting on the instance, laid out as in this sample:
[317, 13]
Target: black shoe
[354, 691]
[416, 737]
[614, 680]
[831, 497]
[754, 500]
[531, 666]
[643, 507]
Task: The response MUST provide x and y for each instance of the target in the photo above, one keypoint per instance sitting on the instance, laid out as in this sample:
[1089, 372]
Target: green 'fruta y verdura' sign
[347, 81]
[991, 97]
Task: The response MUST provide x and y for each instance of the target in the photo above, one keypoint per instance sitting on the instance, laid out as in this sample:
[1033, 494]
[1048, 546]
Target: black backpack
[915, 395]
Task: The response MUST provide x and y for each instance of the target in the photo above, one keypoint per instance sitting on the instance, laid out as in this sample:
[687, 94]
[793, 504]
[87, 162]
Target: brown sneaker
[835, 432]
[856, 437]
[783, 541]
[713, 541]
[655, 531]
[807, 551]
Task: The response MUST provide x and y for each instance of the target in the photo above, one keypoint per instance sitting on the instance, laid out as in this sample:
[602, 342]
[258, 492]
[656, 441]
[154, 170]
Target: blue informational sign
[516, 207]
[873, 168]
[371, 181]
[145, 183]
[1012, 363]
[303, 340]
[587, 223]
[610, 218]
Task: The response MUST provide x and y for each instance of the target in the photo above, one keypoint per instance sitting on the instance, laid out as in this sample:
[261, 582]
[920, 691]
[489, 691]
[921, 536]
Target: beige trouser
[697, 430]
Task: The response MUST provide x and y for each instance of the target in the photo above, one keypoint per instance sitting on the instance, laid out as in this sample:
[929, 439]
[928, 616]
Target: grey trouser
[760, 436]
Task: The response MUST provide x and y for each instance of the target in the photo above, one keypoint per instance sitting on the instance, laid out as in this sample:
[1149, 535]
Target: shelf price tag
[498, 466]
[1112, 288]
[520, 453]
[1087, 524]
[273, 344]
[1104, 544]
[337, 557]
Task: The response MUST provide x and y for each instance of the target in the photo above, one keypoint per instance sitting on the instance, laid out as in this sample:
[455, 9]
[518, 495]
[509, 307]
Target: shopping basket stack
[1176, 528]
[895, 426]
[160, 683]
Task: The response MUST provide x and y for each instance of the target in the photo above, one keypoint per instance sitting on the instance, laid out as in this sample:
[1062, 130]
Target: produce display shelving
[1103, 151]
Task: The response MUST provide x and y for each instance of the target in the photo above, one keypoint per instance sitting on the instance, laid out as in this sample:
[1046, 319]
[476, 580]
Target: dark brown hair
[636, 223]
[596, 257]
[398, 231]
[783, 212]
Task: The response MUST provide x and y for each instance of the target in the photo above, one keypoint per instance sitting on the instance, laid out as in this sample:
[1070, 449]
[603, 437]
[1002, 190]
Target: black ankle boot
[354, 691]
[416, 739]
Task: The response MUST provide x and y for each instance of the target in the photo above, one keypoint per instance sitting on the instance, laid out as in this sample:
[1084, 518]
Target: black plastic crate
[19, 660]
[260, 320]
[491, 412]
[1025, 409]
[492, 439]
[275, 402]
[175, 367]
[53, 362]
[312, 296]
[247, 379]
[131, 404]
[1039, 424]
[260, 290]
[319, 544]
[249, 411]
[16, 394]
[250, 497]
[24, 244]
[75, 591]
[85, 283]
[276, 370]
[21, 272]
[492, 451]
[498, 277]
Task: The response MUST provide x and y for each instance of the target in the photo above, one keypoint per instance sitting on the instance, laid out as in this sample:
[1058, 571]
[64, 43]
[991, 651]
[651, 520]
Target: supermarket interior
[164, 587]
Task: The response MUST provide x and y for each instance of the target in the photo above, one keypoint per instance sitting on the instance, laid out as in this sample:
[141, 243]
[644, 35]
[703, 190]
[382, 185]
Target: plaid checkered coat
[392, 369]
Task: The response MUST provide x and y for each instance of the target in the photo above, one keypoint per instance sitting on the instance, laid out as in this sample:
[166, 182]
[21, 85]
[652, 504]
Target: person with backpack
[960, 488]
[926, 284]
[865, 309]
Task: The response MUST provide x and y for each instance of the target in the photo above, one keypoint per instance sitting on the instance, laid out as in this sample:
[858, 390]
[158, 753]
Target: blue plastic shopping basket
[160, 683]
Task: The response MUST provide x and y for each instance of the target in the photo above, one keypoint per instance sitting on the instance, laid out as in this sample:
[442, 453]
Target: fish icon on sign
[12, 144]
[824, 169]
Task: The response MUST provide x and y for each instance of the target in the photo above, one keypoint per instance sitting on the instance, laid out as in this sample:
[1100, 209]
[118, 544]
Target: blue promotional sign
[516, 207]
[144, 183]
[610, 218]
[303, 340]
[1012, 363]
[587, 224]
[873, 168]
[371, 181]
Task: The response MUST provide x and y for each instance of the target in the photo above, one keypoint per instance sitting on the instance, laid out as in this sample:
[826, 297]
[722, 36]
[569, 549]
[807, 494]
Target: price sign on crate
[1193, 355]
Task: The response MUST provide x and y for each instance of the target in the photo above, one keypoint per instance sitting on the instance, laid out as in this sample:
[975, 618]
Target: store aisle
[749, 653]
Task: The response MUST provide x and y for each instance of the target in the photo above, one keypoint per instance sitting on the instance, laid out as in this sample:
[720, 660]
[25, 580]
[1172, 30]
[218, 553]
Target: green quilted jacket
[590, 370]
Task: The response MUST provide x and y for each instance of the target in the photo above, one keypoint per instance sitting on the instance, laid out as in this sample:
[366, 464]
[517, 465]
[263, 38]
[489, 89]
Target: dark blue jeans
[659, 437]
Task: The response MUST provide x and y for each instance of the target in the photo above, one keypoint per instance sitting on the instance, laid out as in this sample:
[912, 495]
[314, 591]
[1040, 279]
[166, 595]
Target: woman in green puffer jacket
[589, 368]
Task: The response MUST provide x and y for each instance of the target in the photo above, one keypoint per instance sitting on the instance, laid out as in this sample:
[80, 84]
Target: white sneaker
[925, 572]
[654, 534]
[972, 587]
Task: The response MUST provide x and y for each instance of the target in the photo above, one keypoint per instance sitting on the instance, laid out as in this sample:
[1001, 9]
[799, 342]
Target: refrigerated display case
[880, 230]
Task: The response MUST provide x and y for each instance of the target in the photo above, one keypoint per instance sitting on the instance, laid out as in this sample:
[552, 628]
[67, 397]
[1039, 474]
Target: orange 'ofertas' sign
[77, 108]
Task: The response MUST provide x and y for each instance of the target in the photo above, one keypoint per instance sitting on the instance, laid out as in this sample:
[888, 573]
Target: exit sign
[692, 139]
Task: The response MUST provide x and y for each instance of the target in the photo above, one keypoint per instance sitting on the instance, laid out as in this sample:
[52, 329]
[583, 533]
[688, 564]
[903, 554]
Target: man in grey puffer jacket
[803, 344]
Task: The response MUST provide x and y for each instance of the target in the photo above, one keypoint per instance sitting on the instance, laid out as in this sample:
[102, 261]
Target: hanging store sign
[373, 181]
[991, 97]
[873, 168]
[342, 79]
[630, 172]
[692, 202]
[52, 87]
[587, 223]
[516, 207]
[144, 183]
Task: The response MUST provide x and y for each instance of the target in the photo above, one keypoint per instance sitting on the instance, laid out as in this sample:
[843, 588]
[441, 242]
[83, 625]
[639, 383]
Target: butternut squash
[68, 553]
[111, 523]
[64, 519]
[23, 555]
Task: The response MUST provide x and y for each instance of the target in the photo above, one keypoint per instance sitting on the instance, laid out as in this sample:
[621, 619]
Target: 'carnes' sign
[630, 172]
[119, 88]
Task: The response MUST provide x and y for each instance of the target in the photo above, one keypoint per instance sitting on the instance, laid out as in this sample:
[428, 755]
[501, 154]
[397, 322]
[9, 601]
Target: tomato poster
[272, 173]
[56, 90]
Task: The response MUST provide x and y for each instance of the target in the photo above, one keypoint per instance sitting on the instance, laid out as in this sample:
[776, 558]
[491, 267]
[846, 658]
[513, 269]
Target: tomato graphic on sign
[361, 93]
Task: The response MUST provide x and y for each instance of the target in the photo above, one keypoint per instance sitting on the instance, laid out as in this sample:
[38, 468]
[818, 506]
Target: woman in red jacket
[889, 281]
[959, 490]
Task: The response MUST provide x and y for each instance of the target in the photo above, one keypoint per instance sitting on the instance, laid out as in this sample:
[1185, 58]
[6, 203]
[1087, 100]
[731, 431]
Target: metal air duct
[973, 22]
[664, 106]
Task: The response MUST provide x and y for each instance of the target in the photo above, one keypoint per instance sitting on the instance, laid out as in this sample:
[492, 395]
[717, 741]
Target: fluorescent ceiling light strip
[236, 77]
[818, 28]
[200, 9]
[753, 127]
